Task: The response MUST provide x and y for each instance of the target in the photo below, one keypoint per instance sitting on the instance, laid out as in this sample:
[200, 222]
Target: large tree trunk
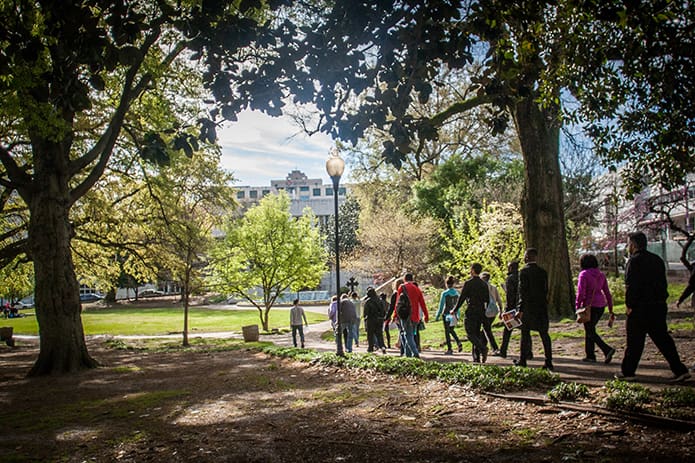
[542, 199]
[63, 347]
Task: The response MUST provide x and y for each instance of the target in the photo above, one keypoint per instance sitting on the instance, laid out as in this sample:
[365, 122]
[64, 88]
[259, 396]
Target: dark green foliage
[634, 76]
[568, 392]
[627, 396]
[482, 378]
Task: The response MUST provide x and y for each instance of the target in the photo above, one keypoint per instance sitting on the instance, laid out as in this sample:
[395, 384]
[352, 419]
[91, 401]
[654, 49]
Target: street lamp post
[335, 167]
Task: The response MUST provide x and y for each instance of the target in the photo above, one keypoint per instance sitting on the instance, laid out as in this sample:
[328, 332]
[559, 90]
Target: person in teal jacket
[447, 304]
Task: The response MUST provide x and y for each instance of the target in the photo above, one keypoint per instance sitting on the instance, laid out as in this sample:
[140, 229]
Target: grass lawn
[154, 321]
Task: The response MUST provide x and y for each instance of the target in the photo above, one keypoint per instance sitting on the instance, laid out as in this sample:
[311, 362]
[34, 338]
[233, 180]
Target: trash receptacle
[250, 333]
[6, 335]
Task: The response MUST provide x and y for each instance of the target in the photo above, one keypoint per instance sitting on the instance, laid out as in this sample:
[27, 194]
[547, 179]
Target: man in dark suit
[533, 308]
[646, 291]
[476, 292]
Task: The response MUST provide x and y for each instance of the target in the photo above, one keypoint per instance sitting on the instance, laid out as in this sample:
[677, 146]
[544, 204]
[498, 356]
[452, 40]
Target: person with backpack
[409, 303]
[476, 293]
[374, 312]
[447, 302]
[491, 312]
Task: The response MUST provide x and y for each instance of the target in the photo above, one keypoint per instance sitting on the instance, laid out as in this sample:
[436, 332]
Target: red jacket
[417, 302]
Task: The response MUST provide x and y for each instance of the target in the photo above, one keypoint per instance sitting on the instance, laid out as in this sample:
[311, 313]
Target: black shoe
[449, 352]
[679, 378]
[519, 363]
[548, 366]
[502, 354]
[302, 345]
[589, 359]
[483, 356]
[624, 377]
[609, 356]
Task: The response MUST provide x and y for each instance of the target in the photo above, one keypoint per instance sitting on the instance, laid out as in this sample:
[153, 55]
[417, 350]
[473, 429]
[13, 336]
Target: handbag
[584, 313]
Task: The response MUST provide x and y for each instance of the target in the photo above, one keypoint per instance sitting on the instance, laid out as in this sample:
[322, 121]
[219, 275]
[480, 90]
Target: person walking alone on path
[593, 292]
[475, 292]
[296, 316]
[646, 291]
[447, 302]
[533, 308]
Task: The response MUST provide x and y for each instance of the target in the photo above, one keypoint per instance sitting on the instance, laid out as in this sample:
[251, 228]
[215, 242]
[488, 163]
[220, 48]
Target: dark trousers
[591, 338]
[375, 338]
[487, 330]
[649, 320]
[506, 336]
[526, 345]
[450, 333]
[296, 328]
[473, 322]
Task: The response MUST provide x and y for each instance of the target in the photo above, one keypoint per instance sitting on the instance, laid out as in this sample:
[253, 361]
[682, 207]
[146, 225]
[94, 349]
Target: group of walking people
[526, 291]
[527, 297]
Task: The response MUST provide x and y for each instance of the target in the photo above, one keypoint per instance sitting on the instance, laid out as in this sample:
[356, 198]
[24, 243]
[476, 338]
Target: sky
[259, 148]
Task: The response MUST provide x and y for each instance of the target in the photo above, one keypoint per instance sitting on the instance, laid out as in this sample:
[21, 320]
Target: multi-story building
[655, 211]
[303, 191]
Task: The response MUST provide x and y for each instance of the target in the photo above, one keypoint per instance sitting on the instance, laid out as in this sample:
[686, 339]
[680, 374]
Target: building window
[253, 194]
[290, 189]
[304, 189]
[329, 191]
[341, 191]
[239, 195]
[316, 192]
[265, 192]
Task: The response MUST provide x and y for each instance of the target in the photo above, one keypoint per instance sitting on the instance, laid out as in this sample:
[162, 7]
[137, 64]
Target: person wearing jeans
[408, 326]
[296, 316]
[446, 311]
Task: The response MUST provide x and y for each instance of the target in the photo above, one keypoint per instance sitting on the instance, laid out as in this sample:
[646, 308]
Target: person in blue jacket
[447, 304]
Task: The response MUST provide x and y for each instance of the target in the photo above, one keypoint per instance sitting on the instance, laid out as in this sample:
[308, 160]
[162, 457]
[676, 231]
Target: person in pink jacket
[592, 291]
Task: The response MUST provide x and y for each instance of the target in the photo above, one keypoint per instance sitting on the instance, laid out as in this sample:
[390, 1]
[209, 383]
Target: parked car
[151, 293]
[90, 297]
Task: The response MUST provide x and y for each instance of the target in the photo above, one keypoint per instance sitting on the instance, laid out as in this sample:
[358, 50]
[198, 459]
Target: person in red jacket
[417, 305]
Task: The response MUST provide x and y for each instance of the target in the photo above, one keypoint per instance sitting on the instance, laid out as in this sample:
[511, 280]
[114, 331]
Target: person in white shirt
[296, 316]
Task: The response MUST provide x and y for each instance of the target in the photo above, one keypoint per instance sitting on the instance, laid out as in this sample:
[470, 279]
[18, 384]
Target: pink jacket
[592, 289]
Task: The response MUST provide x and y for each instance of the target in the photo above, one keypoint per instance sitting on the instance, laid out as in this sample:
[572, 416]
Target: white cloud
[259, 148]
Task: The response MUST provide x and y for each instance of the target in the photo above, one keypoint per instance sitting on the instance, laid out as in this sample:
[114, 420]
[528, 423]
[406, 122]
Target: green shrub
[568, 392]
[627, 396]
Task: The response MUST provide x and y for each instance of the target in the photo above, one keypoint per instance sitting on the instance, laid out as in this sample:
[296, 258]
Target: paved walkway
[570, 368]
